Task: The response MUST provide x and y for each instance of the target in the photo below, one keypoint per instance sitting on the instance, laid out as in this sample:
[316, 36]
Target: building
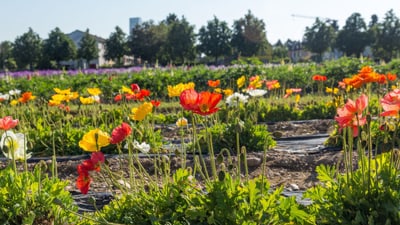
[76, 37]
[133, 22]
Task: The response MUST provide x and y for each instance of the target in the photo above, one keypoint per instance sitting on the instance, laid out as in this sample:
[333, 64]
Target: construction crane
[314, 17]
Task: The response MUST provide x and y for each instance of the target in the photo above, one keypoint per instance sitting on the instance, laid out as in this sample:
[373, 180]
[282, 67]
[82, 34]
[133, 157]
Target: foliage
[215, 39]
[319, 37]
[27, 49]
[59, 46]
[249, 38]
[88, 47]
[116, 46]
[387, 43]
[224, 201]
[29, 198]
[252, 137]
[353, 37]
[343, 200]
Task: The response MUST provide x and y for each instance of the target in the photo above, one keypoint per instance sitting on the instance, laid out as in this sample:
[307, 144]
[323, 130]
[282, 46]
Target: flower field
[219, 115]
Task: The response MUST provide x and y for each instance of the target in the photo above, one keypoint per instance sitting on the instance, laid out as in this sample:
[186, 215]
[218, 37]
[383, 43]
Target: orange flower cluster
[368, 75]
[318, 77]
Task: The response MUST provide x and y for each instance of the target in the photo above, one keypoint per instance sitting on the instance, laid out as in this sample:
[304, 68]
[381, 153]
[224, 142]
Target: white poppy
[14, 92]
[236, 98]
[256, 92]
[12, 143]
[4, 97]
[143, 147]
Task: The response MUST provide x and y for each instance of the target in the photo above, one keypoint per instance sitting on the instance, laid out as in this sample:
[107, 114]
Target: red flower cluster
[137, 94]
[92, 164]
[203, 103]
[318, 77]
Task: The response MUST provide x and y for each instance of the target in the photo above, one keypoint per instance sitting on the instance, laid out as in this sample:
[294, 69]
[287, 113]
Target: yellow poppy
[14, 102]
[126, 90]
[87, 101]
[181, 122]
[140, 113]
[94, 140]
[62, 92]
[228, 92]
[240, 82]
[94, 91]
[174, 91]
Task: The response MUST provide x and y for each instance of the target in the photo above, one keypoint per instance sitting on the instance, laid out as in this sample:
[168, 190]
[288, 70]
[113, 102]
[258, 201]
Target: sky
[102, 16]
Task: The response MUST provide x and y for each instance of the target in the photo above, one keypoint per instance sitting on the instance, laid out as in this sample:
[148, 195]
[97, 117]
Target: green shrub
[29, 198]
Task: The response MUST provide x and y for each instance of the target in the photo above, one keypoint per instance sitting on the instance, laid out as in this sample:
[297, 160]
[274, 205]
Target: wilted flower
[14, 146]
[236, 98]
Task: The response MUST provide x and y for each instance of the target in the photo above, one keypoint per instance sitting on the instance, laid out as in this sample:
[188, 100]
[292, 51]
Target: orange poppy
[203, 103]
[391, 77]
[27, 96]
[213, 83]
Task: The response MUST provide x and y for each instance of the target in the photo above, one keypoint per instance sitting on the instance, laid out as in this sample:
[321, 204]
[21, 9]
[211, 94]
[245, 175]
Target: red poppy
[381, 79]
[391, 76]
[207, 103]
[203, 103]
[188, 99]
[97, 159]
[135, 87]
[142, 94]
[120, 133]
[155, 103]
[85, 166]
[83, 182]
[319, 77]
[118, 98]
[7, 123]
[213, 83]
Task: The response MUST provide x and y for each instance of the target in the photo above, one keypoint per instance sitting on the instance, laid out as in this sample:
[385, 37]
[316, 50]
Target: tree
[116, 45]
[320, 37]
[59, 47]
[280, 51]
[387, 43]
[88, 49]
[249, 37]
[6, 58]
[215, 39]
[180, 42]
[354, 37]
[147, 40]
[27, 49]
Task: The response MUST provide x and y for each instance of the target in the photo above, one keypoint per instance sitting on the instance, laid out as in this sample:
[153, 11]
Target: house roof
[77, 35]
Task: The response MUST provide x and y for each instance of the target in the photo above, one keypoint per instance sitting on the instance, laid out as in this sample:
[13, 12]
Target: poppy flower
[174, 91]
[7, 123]
[120, 133]
[241, 81]
[94, 140]
[155, 103]
[83, 182]
[391, 77]
[25, 97]
[93, 91]
[141, 112]
[97, 158]
[142, 94]
[203, 103]
[350, 115]
[14, 146]
[181, 122]
[213, 83]
[391, 103]
[118, 98]
[188, 99]
[135, 87]
[318, 77]
[255, 82]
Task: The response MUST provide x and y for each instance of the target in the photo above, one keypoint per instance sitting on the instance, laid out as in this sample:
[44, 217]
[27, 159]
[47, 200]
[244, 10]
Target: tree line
[173, 41]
